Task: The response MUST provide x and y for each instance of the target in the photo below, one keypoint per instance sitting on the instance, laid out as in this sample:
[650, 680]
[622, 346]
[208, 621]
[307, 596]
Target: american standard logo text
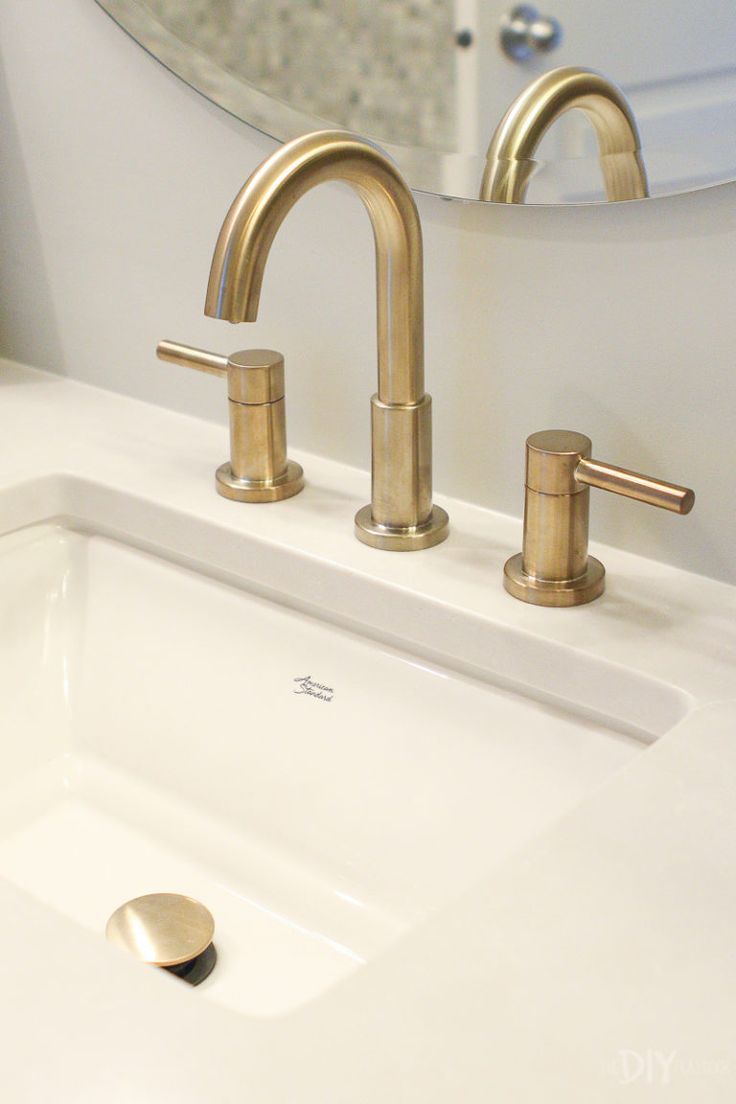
[307, 685]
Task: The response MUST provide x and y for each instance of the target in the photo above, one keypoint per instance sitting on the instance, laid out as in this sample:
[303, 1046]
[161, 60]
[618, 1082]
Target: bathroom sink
[321, 793]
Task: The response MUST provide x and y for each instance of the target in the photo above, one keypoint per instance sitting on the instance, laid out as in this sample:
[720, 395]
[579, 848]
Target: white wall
[616, 321]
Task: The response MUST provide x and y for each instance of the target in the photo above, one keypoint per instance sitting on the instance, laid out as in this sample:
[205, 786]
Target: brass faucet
[401, 515]
[554, 568]
[510, 158]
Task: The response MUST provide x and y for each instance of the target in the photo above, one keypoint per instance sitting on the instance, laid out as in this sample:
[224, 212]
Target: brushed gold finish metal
[401, 498]
[547, 592]
[510, 157]
[680, 500]
[163, 929]
[286, 485]
[402, 462]
[187, 357]
[554, 568]
[411, 539]
[259, 469]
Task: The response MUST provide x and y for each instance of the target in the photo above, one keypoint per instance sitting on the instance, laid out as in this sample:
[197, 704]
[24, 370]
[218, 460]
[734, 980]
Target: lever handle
[188, 357]
[554, 568]
[643, 488]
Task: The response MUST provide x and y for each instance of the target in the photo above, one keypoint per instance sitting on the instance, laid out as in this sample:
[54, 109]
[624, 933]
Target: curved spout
[267, 197]
[509, 161]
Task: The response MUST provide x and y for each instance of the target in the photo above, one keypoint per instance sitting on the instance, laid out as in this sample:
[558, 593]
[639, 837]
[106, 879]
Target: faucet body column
[401, 468]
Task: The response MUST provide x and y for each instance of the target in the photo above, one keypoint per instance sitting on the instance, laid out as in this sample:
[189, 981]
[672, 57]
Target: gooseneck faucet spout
[510, 158]
[401, 515]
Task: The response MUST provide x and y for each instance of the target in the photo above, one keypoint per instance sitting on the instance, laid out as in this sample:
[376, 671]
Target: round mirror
[430, 80]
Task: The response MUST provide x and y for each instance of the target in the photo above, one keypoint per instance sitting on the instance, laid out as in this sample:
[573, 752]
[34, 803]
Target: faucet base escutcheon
[554, 592]
[410, 538]
[283, 486]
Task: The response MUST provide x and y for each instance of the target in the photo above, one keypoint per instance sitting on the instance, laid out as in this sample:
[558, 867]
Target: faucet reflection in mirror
[401, 516]
[510, 158]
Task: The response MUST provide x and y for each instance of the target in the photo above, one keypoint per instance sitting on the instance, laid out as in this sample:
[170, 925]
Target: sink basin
[321, 793]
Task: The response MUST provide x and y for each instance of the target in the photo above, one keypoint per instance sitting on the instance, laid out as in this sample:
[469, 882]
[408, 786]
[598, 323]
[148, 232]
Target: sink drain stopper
[167, 930]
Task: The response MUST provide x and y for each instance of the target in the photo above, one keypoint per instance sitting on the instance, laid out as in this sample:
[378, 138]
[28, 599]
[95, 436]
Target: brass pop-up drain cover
[167, 930]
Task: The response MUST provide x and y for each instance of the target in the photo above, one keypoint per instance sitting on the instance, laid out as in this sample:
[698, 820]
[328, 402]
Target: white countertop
[595, 965]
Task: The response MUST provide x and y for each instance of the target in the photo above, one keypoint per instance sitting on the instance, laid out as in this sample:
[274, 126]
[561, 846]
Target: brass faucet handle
[188, 357]
[253, 375]
[643, 488]
[554, 568]
[559, 461]
[259, 469]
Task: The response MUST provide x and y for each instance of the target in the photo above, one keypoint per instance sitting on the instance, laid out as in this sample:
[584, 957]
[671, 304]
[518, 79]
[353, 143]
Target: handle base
[410, 538]
[551, 592]
[290, 483]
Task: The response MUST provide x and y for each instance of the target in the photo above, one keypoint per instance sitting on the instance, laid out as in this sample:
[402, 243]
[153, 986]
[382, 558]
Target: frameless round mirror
[430, 80]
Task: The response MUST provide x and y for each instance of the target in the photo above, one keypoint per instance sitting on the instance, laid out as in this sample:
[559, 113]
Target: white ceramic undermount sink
[321, 793]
